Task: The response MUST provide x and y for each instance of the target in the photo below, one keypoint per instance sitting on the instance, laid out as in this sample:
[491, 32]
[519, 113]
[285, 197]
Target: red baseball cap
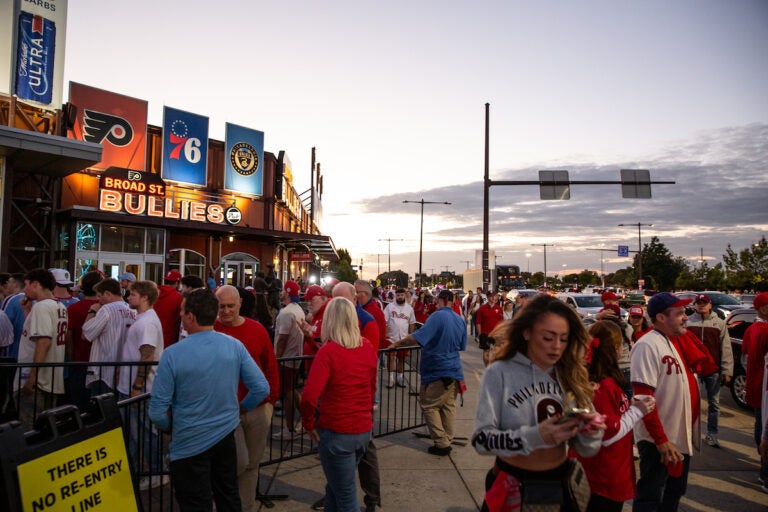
[635, 311]
[173, 276]
[609, 296]
[314, 291]
[760, 300]
[702, 298]
[292, 288]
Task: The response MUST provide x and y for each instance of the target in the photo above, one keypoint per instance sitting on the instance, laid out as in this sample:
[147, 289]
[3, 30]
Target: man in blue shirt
[195, 396]
[441, 338]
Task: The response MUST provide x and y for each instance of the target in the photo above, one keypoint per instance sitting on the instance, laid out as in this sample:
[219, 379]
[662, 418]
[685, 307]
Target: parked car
[738, 322]
[632, 299]
[722, 303]
[746, 299]
[585, 304]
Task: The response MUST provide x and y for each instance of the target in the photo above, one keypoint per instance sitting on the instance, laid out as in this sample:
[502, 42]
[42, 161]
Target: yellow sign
[90, 475]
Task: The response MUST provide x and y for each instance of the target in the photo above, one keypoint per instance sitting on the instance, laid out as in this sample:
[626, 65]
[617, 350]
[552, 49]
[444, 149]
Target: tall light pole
[389, 250]
[545, 259]
[467, 262]
[639, 251]
[422, 202]
[528, 255]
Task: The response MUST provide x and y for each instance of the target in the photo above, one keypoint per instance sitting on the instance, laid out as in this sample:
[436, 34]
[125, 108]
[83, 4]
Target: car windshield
[589, 301]
[723, 299]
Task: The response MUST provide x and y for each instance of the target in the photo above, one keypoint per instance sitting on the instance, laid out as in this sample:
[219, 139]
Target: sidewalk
[413, 480]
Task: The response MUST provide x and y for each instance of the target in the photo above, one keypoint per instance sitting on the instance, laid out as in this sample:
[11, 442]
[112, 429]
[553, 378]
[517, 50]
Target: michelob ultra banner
[35, 49]
[244, 165]
[185, 146]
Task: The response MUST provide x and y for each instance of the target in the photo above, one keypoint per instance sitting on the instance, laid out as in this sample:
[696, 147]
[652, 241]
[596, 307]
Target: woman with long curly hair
[535, 401]
[611, 472]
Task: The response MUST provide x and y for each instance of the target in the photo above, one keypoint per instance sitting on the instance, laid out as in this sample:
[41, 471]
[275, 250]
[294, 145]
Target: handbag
[577, 485]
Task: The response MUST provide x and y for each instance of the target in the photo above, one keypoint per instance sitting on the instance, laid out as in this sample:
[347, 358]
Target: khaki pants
[251, 440]
[438, 403]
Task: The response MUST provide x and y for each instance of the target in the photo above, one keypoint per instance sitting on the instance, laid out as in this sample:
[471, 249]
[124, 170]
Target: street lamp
[528, 255]
[422, 202]
[639, 252]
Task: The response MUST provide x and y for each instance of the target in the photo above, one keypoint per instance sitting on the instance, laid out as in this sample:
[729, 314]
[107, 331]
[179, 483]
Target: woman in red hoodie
[343, 381]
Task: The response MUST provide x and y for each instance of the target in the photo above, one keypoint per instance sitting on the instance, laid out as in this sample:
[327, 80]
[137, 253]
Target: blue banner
[34, 58]
[185, 146]
[244, 165]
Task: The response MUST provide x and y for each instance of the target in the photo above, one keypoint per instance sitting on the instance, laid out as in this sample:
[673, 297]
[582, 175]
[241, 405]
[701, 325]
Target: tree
[701, 278]
[660, 267]
[536, 279]
[342, 269]
[397, 278]
[749, 268]
[588, 278]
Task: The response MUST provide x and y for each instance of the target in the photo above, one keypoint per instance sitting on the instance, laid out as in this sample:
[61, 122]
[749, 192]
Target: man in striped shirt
[105, 327]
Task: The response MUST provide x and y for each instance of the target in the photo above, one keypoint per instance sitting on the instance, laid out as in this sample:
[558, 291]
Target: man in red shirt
[78, 348]
[317, 300]
[489, 315]
[251, 434]
[755, 346]
[168, 307]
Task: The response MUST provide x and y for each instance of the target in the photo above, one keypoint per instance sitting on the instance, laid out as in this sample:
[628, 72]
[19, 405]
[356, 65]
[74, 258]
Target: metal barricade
[396, 409]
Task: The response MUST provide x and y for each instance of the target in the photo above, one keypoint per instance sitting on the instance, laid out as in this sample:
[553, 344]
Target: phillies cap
[314, 291]
[609, 296]
[292, 288]
[635, 311]
[761, 299]
[61, 276]
[128, 276]
[702, 298]
[661, 302]
[173, 276]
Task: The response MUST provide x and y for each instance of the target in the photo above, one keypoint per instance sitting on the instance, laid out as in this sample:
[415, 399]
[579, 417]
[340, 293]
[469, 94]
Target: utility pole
[639, 252]
[467, 262]
[389, 250]
[545, 260]
[422, 202]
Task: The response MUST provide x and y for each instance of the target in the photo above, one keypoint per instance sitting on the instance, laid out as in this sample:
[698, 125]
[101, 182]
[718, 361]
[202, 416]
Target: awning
[40, 153]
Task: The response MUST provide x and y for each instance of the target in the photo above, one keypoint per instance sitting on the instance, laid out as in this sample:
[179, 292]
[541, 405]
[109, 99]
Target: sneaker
[391, 382]
[711, 440]
[400, 381]
[435, 450]
[319, 504]
[147, 483]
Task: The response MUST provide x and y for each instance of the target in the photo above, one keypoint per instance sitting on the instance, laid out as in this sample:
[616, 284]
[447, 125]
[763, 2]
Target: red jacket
[755, 346]
[168, 307]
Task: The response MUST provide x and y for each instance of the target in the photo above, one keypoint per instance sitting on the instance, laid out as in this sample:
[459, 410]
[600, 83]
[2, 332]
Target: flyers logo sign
[244, 158]
[98, 126]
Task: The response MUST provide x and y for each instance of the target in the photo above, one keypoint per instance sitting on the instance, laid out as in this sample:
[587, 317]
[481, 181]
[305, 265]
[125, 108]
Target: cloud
[719, 197]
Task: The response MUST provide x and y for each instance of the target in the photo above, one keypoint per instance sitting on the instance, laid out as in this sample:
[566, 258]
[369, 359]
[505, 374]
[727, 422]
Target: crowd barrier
[396, 409]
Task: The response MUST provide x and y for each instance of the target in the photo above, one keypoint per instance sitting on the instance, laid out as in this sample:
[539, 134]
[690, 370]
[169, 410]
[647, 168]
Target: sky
[392, 95]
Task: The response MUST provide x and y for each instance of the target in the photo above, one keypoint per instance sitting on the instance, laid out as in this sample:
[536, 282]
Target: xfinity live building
[120, 195]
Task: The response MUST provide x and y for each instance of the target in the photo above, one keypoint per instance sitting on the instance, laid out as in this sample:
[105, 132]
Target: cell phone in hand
[572, 412]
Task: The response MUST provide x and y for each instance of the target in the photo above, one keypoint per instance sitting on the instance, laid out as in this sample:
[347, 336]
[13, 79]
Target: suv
[585, 304]
[722, 303]
[737, 322]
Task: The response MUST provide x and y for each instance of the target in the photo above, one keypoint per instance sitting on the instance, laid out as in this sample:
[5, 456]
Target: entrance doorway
[115, 268]
[239, 269]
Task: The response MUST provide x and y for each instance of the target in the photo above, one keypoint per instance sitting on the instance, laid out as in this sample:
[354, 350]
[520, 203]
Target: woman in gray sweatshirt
[535, 402]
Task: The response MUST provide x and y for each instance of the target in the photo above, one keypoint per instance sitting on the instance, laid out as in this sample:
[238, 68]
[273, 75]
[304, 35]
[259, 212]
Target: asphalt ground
[721, 479]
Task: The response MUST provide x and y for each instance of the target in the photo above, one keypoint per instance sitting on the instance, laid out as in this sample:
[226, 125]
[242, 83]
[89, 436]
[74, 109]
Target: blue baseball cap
[661, 302]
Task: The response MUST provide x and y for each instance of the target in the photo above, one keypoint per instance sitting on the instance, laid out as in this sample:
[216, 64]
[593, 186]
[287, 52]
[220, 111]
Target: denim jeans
[712, 386]
[656, 490]
[339, 456]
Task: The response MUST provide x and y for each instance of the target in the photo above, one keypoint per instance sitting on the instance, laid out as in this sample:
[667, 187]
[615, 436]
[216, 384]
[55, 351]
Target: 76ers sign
[185, 146]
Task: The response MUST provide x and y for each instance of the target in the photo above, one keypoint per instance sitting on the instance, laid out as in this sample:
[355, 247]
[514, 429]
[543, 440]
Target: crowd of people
[557, 400]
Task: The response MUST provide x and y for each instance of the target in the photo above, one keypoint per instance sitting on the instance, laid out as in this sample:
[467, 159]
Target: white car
[585, 304]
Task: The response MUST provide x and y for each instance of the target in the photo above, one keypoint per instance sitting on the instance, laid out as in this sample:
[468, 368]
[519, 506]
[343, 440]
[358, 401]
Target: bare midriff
[540, 460]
